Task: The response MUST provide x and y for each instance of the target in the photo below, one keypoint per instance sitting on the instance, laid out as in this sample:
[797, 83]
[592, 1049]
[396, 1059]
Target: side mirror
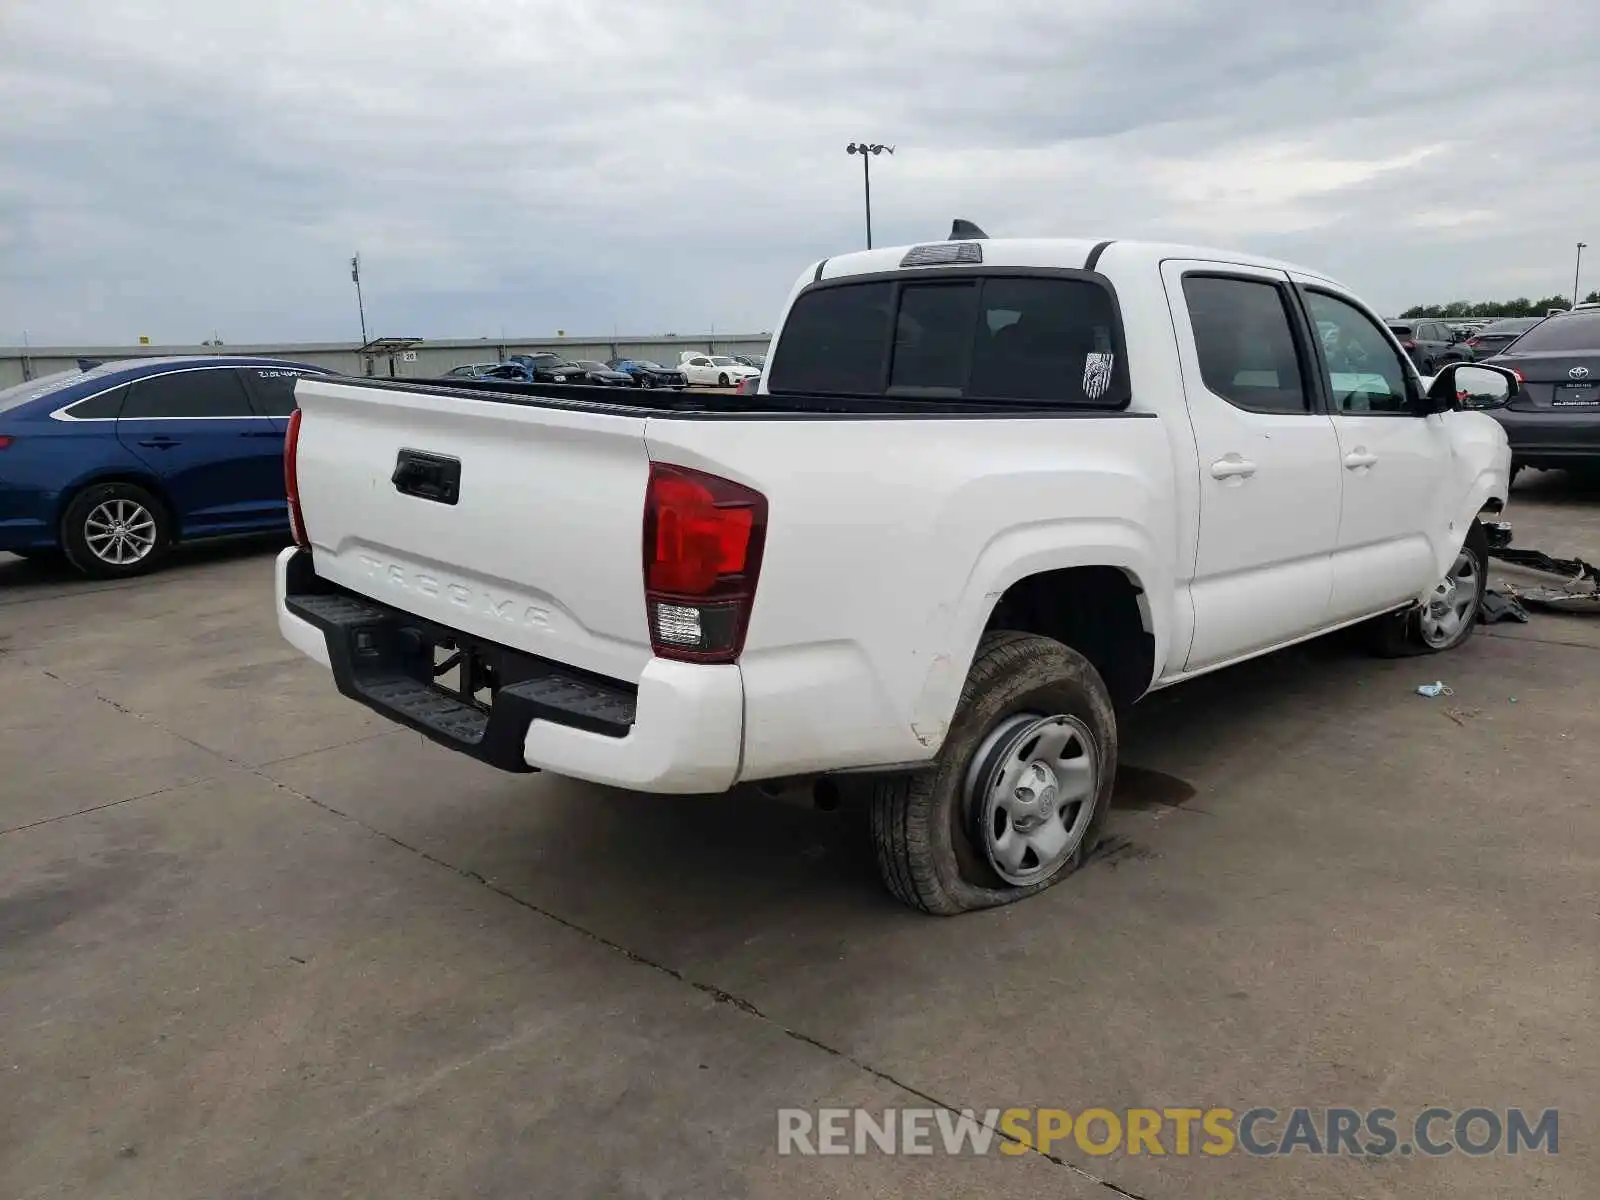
[1472, 387]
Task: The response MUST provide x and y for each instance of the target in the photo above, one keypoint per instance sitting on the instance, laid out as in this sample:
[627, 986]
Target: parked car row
[694, 368]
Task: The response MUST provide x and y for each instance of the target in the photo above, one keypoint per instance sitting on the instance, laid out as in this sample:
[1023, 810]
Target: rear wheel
[1448, 615]
[722, 379]
[1014, 802]
[111, 530]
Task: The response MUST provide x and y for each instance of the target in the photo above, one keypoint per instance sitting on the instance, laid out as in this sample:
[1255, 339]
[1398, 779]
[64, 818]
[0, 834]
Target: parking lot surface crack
[94, 808]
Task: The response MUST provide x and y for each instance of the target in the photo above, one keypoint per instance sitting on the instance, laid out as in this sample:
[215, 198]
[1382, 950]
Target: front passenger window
[1364, 371]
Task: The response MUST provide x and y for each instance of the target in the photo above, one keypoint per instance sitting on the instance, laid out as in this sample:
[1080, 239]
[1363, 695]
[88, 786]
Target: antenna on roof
[965, 231]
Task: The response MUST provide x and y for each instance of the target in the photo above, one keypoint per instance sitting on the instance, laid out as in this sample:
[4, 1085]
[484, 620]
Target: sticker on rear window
[1097, 375]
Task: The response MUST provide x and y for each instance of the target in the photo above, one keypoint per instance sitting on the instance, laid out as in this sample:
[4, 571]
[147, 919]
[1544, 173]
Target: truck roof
[1070, 253]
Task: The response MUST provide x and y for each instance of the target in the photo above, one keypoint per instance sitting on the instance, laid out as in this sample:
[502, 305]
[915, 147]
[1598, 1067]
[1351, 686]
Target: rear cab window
[1026, 339]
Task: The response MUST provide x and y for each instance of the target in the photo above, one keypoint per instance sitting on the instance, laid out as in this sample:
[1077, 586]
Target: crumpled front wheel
[1447, 616]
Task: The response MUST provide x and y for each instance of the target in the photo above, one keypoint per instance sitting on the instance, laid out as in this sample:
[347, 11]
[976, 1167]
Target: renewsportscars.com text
[1261, 1131]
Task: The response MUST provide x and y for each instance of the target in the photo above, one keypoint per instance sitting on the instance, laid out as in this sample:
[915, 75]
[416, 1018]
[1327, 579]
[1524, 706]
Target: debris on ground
[1501, 606]
[1579, 594]
[1562, 599]
[1431, 690]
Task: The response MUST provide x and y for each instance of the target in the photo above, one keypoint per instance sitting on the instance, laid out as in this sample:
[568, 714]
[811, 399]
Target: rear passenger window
[1245, 343]
[102, 407]
[198, 393]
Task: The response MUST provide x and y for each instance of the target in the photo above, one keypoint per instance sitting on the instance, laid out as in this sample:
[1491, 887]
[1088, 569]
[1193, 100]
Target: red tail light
[291, 481]
[1408, 345]
[703, 537]
[6, 440]
[1521, 378]
[1472, 342]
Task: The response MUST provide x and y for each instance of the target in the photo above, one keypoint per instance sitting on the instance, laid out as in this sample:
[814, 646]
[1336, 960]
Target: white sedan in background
[714, 369]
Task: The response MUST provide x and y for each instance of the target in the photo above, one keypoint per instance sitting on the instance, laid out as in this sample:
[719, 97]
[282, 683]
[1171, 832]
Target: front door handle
[1232, 467]
[1359, 458]
[268, 433]
[159, 443]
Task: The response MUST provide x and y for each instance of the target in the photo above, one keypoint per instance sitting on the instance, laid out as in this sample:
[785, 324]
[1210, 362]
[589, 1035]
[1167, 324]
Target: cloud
[173, 167]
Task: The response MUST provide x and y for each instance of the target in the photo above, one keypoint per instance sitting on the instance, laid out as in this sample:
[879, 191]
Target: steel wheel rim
[1453, 602]
[1031, 792]
[120, 532]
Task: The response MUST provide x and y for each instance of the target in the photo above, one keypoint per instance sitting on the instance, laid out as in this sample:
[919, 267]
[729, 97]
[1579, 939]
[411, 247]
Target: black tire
[722, 379]
[646, 382]
[1399, 635]
[75, 532]
[922, 832]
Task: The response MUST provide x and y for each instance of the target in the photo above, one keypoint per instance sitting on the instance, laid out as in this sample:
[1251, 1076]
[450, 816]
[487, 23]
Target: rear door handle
[159, 443]
[1232, 467]
[271, 433]
[1357, 459]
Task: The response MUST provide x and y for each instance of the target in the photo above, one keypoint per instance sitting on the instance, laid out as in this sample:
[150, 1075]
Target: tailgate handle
[427, 476]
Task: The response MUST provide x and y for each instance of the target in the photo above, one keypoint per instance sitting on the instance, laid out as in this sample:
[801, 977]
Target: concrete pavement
[256, 942]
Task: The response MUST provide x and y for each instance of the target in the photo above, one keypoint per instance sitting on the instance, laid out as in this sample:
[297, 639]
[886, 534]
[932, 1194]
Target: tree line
[1520, 307]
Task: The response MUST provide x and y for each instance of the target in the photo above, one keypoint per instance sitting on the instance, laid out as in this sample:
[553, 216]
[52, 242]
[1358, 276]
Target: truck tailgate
[539, 548]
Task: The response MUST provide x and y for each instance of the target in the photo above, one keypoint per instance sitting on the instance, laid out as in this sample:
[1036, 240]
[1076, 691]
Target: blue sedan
[111, 466]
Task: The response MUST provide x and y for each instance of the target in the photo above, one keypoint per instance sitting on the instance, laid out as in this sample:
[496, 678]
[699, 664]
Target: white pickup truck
[990, 493]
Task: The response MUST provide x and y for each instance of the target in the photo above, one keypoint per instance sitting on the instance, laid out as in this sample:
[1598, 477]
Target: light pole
[864, 149]
[1577, 267]
[355, 278]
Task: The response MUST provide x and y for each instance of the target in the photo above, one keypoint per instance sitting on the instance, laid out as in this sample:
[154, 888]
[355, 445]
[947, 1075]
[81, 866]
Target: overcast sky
[174, 167]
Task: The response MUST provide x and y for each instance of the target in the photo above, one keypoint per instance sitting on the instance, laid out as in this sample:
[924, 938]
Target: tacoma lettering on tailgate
[477, 599]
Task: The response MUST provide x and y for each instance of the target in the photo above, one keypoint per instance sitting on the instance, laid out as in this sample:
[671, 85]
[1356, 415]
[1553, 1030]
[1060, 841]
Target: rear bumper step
[384, 658]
